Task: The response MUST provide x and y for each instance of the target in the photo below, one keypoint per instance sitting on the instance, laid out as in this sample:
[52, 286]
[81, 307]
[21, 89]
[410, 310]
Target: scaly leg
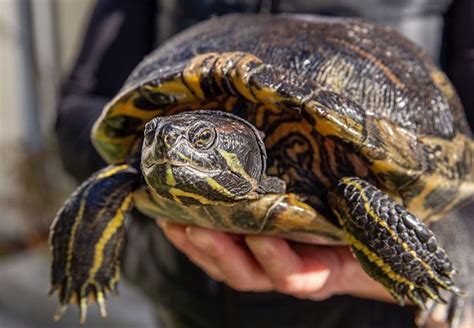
[393, 246]
[86, 238]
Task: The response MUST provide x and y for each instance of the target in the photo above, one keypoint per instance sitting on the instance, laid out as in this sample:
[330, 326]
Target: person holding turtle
[314, 272]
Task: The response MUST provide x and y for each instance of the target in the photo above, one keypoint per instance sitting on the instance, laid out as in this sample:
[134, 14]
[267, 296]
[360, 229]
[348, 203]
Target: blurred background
[39, 41]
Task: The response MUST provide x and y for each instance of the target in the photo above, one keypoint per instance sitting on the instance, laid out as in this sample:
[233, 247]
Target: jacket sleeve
[458, 52]
[119, 34]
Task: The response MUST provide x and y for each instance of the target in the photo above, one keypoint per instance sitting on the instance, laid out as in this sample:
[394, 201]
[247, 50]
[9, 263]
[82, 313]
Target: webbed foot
[89, 292]
[86, 239]
[393, 246]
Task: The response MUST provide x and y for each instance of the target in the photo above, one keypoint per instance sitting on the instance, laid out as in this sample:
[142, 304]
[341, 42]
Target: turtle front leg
[393, 246]
[86, 239]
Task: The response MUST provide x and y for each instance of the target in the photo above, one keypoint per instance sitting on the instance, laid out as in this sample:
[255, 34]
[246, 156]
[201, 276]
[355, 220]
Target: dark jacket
[120, 33]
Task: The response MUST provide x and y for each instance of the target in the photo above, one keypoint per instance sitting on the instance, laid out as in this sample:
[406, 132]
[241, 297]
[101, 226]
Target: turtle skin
[356, 137]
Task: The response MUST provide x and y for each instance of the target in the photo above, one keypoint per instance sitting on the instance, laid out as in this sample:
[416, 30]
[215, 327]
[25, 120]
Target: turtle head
[206, 158]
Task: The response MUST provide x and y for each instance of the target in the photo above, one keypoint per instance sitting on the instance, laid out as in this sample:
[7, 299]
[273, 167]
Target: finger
[355, 280]
[289, 271]
[322, 267]
[278, 260]
[177, 235]
[344, 273]
[239, 268]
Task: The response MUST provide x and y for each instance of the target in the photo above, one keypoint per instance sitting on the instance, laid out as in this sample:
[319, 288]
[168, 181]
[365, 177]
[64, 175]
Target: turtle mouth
[174, 164]
[179, 181]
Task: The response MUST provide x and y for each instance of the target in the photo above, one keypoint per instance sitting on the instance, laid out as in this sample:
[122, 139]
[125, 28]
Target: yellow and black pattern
[206, 158]
[394, 247]
[390, 152]
[357, 94]
[277, 112]
[86, 238]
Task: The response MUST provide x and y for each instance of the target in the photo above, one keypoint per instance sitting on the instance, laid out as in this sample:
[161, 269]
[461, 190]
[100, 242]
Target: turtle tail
[86, 238]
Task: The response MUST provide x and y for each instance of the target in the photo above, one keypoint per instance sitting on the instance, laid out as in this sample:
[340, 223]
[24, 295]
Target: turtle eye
[201, 137]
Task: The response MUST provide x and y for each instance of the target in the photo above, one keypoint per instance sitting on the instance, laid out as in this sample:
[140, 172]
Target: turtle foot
[86, 239]
[89, 293]
[393, 246]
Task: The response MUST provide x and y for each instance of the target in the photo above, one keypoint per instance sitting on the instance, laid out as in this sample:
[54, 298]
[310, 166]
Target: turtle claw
[99, 298]
[82, 310]
[87, 294]
[86, 239]
[450, 312]
[101, 304]
[422, 316]
[59, 312]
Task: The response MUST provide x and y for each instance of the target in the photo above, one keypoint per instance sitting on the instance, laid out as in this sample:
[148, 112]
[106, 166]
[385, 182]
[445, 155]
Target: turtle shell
[367, 134]
[386, 112]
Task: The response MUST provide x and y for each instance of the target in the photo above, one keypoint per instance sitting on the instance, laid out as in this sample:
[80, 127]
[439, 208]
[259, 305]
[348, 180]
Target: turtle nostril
[165, 140]
[168, 136]
[165, 136]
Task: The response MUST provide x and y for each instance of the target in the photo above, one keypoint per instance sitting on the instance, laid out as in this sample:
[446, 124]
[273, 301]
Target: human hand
[261, 263]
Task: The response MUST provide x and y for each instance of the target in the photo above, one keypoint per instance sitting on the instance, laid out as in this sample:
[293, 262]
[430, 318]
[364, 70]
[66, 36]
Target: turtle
[320, 130]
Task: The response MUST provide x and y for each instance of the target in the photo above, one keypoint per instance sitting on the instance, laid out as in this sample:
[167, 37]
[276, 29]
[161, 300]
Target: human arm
[119, 34]
[458, 52]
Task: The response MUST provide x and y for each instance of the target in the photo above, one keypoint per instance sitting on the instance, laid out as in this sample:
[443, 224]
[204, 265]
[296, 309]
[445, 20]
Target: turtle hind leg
[86, 238]
[394, 247]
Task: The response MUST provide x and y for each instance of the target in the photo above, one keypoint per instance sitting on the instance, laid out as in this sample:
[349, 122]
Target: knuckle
[207, 245]
[217, 252]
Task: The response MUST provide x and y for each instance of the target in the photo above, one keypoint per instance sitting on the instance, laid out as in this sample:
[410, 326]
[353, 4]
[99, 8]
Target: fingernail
[162, 223]
[173, 232]
[309, 282]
